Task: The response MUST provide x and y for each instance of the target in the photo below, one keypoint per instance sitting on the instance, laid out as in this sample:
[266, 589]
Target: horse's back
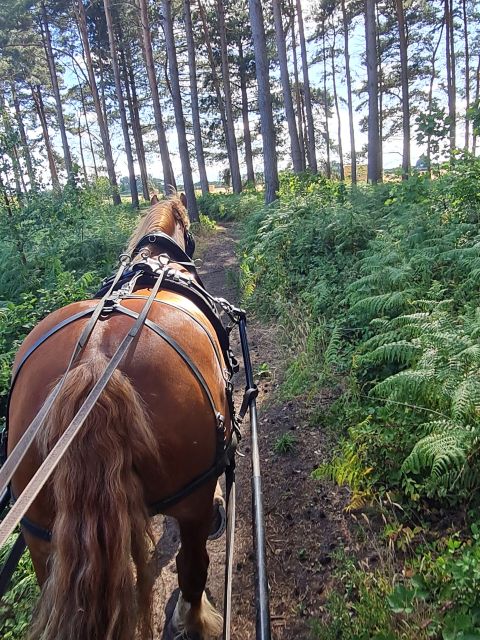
[181, 415]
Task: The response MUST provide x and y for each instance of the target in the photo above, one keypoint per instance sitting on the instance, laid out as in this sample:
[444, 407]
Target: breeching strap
[18, 453]
[51, 461]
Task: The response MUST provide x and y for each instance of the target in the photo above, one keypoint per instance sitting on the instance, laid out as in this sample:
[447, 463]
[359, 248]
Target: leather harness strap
[224, 450]
[18, 453]
[47, 467]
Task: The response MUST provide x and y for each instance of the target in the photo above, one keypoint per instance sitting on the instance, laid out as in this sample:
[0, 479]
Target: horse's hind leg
[194, 615]
[39, 553]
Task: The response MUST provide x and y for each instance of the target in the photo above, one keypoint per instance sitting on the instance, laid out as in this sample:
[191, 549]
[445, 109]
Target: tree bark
[18, 165]
[337, 110]
[38, 101]
[467, 72]
[264, 101]
[47, 41]
[23, 137]
[87, 126]
[192, 70]
[298, 95]
[177, 106]
[82, 24]
[170, 185]
[80, 146]
[477, 97]
[18, 237]
[121, 105]
[430, 97]
[353, 153]
[373, 171]
[380, 93]
[227, 92]
[405, 92]
[287, 92]
[451, 80]
[311, 151]
[325, 105]
[216, 81]
[132, 101]
[247, 137]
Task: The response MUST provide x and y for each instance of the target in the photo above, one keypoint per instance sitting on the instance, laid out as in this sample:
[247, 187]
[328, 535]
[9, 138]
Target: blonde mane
[160, 217]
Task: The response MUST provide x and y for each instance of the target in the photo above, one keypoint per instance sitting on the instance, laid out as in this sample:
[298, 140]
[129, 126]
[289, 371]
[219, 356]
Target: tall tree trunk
[467, 73]
[121, 105]
[177, 106]
[451, 81]
[380, 92]
[87, 126]
[38, 101]
[23, 137]
[56, 91]
[264, 101]
[89, 133]
[227, 92]
[23, 186]
[80, 146]
[477, 98]
[325, 104]
[18, 237]
[192, 71]
[287, 93]
[170, 185]
[82, 23]
[337, 110]
[374, 171]
[298, 95]
[353, 153]
[405, 93]
[311, 152]
[132, 101]
[247, 137]
[430, 97]
[216, 82]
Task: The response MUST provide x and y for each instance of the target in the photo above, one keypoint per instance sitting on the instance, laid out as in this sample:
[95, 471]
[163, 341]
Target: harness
[146, 272]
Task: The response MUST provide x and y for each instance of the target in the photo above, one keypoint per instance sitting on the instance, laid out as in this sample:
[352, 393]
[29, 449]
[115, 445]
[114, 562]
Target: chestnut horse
[149, 435]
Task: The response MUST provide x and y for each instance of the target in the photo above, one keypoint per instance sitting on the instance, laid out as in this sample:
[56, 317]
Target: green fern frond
[401, 352]
[333, 348]
[385, 303]
[466, 399]
[407, 385]
[438, 453]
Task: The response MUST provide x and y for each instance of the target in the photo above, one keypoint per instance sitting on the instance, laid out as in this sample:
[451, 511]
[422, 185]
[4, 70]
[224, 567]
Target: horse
[150, 434]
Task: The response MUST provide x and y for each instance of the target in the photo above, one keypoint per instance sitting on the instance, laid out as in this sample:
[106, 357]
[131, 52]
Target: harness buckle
[220, 421]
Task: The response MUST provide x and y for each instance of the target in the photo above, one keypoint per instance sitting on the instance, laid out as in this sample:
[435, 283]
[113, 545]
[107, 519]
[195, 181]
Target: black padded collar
[166, 243]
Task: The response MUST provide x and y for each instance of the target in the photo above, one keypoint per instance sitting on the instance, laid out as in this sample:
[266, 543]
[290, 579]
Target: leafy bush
[17, 605]
[223, 206]
[380, 284]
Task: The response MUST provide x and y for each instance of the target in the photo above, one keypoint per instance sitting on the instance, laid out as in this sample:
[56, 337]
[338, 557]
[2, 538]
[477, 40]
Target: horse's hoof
[219, 522]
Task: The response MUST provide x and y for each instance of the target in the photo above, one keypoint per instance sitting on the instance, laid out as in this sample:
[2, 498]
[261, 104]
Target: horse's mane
[160, 217]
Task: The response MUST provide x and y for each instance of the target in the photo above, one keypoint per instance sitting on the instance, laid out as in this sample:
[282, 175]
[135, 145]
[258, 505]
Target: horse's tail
[101, 521]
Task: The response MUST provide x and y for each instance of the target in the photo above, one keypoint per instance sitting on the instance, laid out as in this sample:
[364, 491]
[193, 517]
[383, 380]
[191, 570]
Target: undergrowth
[377, 288]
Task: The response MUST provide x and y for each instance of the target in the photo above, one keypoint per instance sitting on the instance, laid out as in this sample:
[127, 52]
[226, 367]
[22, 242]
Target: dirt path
[304, 518]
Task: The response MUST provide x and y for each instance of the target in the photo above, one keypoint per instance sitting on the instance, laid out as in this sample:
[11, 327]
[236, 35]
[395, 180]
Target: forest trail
[304, 518]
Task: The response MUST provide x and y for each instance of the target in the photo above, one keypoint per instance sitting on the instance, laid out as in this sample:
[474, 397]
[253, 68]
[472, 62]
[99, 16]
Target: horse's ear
[154, 199]
[183, 200]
